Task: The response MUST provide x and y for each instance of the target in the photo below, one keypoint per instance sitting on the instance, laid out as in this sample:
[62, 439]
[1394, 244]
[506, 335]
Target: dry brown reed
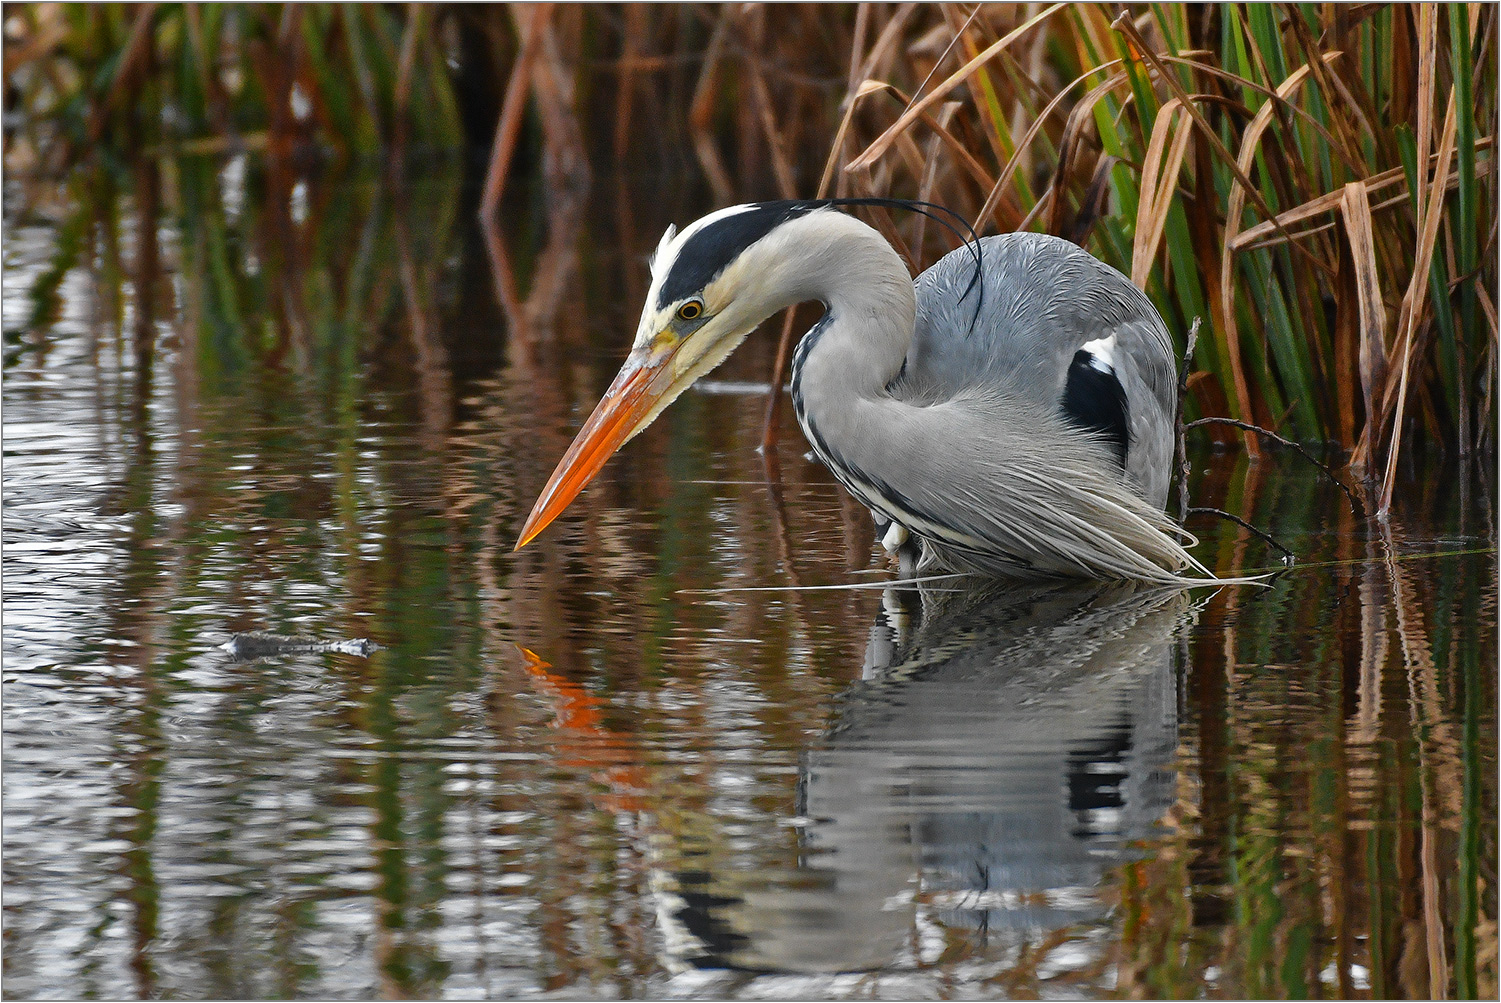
[1315, 182]
[1226, 159]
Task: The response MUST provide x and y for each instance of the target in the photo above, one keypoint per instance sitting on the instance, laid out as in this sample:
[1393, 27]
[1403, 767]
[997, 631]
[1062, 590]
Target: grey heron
[1010, 412]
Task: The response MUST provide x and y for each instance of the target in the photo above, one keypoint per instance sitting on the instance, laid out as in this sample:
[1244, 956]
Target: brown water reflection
[320, 403]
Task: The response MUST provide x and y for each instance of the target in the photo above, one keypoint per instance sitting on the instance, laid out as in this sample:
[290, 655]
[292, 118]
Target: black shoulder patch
[707, 252]
[1094, 399]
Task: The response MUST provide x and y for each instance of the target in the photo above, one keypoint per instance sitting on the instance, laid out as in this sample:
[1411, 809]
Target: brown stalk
[930, 173]
[509, 127]
[909, 148]
[857, 90]
[781, 167]
[1345, 331]
[1417, 290]
[957, 148]
[1427, 27]
[886, 45]
[1250, 139]
[1088, 102]
[137, 52]
[701, 112]
[276, 65]
[1270, 94]
[959, 151]
[1079, 119]
[991, 129]
[835, 151]
[1124, 26]
[1349, 144]
[1356, 209]
[884, 141]
[1259, 235]
[1068, 152]
[1291, 149]
[633, 31]
[408, 58]
[1044, 204]
[1241, 245]
[910, 153]
[957, 34]
[857, 45]
[567, 163]
[1404, 74]
[1429, 214]
[217, 103]
[1159, 182]
[1489, 309]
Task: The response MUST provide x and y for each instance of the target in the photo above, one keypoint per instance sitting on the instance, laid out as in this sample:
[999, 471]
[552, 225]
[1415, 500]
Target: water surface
[318, 405]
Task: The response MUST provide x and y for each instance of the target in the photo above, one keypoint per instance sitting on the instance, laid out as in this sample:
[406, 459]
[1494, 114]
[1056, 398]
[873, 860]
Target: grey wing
[1004, 486]
[1018, 331]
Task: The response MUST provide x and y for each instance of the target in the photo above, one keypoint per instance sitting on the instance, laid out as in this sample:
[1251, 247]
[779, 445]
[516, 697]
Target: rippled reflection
[1000, 754]
[598, 767]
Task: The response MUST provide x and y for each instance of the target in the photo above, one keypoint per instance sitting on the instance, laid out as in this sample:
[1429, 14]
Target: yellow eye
[690, 310]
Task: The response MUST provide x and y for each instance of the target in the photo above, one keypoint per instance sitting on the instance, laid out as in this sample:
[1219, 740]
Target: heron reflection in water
[1001, 755]
[1010, 413]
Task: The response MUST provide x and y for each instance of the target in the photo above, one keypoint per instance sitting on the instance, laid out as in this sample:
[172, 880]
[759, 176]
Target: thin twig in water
[1182, 447]
[1204, 510]
[1244, 426]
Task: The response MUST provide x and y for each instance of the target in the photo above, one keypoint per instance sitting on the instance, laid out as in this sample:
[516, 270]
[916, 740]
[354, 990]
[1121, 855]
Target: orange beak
[630, 404]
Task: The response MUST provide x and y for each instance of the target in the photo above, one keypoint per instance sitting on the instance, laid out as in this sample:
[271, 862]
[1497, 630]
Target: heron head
[712, 285]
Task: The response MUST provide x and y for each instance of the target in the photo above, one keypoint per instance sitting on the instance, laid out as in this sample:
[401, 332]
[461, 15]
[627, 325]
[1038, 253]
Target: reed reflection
[1001, 754]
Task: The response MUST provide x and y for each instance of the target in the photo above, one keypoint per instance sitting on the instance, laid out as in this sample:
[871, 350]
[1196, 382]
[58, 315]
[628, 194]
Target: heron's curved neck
[858, 347]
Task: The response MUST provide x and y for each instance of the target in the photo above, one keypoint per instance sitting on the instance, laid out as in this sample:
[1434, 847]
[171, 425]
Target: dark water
[318, 406]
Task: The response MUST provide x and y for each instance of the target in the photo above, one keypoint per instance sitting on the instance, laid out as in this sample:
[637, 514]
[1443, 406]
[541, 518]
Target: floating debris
[252, 645]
